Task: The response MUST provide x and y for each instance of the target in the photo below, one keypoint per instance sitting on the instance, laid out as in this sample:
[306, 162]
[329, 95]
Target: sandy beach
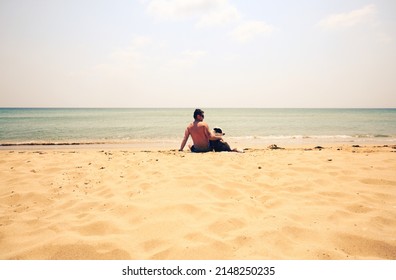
[304, 203]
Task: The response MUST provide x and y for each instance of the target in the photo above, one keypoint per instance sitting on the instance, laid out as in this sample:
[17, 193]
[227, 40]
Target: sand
[295, 203]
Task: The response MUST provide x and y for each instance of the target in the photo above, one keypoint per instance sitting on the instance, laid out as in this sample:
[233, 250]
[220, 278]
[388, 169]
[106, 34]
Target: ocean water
[60, 126]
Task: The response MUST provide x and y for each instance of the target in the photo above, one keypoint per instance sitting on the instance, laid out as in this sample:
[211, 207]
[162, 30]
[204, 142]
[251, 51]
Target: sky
[198, 53]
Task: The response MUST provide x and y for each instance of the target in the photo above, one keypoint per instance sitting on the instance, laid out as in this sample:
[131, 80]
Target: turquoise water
[129, 125]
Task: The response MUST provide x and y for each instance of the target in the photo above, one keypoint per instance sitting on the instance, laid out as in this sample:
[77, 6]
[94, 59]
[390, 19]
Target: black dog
[219, 145]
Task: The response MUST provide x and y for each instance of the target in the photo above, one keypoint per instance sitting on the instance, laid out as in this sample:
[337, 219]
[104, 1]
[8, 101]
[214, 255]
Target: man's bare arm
[186, 135]
[212, 136]
[215, 137]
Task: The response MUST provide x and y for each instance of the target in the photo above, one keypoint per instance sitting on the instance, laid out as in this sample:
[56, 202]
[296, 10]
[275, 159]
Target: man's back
[200, 134]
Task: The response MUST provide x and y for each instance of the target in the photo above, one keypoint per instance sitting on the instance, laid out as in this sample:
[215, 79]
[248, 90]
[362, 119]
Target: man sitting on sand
[200, 134]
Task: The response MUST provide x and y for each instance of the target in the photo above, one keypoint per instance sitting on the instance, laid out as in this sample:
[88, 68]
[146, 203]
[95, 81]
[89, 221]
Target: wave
[281, 137]
[50, 144]
[101, 142]
[175, 141]
[316, 136]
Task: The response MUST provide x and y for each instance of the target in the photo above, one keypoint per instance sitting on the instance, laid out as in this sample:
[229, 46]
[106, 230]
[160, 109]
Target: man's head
[198, 112]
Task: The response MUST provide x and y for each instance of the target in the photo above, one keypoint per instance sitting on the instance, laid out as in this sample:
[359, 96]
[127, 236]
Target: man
[200, 134]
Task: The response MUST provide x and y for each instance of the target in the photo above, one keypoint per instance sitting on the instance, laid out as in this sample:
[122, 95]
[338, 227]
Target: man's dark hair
[198, 112]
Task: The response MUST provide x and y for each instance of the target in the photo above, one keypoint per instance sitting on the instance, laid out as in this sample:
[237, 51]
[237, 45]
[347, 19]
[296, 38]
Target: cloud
[180, 9]
[120, 62]
[127, 60]
[249, 30]
[194, 54]
[218, 17]
[134, 51]
[350, 19]
[206, 12]
[385, 37]
[189, 58]
[209, 13]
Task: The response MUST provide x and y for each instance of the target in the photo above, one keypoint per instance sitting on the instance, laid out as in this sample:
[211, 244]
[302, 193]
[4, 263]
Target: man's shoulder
[203, 124]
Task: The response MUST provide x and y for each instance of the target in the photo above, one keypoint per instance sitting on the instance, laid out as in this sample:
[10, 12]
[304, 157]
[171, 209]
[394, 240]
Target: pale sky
[198, 53]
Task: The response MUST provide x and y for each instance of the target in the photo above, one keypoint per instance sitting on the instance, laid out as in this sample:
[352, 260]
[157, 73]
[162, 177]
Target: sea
[164, 127]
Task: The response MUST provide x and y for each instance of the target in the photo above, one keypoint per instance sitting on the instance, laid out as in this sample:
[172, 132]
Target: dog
[219, 145]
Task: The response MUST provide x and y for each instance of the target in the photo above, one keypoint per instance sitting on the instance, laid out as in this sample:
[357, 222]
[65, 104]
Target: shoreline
[166, 144]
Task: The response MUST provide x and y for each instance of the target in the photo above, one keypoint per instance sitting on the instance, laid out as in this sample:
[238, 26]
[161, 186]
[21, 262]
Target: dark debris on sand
[275, 147]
